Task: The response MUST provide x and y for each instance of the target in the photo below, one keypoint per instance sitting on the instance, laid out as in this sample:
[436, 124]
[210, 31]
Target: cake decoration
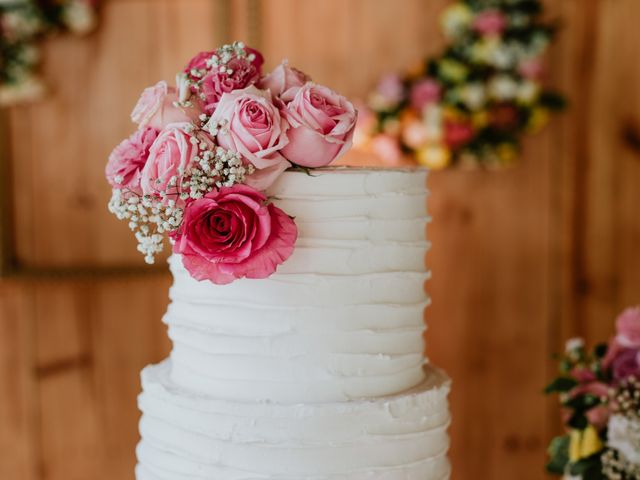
[207, 149]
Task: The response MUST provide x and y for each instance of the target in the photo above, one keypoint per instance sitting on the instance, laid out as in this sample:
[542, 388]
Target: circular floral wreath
[471, 104]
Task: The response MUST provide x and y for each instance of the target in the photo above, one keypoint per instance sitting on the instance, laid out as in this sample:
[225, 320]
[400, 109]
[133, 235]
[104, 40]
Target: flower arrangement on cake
[600, 396]
[205, 151]
[23, 23]
[473, 103]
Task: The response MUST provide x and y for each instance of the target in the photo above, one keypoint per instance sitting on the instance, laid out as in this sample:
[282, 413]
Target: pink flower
[249, 123]
[490, 22]
[628, 328]
[282, 80]
[531, 68]
[233, 233]
[626, 364]
[388, 149]
[156, 108]
[243, 74]
[124, 169]
[322, 125]
[599, 416]
[390, 88]
[199, 62]
[425, 92]
[169, 157]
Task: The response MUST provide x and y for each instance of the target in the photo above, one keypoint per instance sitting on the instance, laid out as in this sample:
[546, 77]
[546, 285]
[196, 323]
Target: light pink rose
[490, 22]
[233, 233]
[169, 157]
[124, 168]
[424, 92]
[531, 68]
[282, 81]
[391, 89]
[156, 108]
[628, 328]
[244, 73]
[322, 124]
[250, 124]
[388, 149]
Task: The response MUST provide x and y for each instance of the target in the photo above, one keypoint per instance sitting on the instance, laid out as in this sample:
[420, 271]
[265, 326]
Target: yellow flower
[455, 19]
[453, 114]
[538, 119]
[584, 443]
[575, 440]
[434, 156]
[453, 70]
[480, 119]
[507, 153]
[485, 49]
[591, 442]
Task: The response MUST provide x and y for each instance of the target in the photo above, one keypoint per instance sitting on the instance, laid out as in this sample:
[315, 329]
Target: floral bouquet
[472, 103]
[206, 150]
[600, 396]
[23, 23]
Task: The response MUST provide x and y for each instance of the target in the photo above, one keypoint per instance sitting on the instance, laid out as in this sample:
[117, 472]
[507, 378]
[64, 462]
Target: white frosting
[186, 435]
[300, 376]
[341, 319]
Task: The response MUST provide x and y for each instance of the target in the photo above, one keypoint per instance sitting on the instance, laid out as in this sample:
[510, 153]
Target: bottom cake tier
[190, 436]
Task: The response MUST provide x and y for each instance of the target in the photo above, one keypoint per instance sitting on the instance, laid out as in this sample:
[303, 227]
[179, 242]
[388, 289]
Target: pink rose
[249, 123]
[169, 157]
[199, 62]
[531, 68]
[156, 108]
[282, 80]
[233, 233]
[244, 73]
[322, 124]
[490, 22]
[124, 169]
[425, 92]
[628, 328]
[626, 364]
[388, 149]
[390, 88]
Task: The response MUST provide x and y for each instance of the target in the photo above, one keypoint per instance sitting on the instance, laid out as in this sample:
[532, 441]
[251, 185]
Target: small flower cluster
[207, 149]
[472, 103]
[600, 396]
[23, 23]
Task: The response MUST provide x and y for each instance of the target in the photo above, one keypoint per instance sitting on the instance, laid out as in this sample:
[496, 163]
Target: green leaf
[589, 468]
[559, 455]
[600, 350]
[561, 384]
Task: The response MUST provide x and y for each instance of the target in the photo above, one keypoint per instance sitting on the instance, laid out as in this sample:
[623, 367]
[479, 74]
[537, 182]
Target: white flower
[573, 344]
[473, 95]
[456, 19]
[624, 436]
[528, 92]
[503, 87]
[79, 16]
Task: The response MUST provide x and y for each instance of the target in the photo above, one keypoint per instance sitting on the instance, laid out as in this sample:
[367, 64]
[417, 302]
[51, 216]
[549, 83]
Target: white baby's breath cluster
[150, 217]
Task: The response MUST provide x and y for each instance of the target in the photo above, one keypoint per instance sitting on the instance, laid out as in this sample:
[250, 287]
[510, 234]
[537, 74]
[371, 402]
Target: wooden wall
[521, 259]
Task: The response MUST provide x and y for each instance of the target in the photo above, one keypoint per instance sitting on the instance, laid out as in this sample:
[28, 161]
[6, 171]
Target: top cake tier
[341, 319]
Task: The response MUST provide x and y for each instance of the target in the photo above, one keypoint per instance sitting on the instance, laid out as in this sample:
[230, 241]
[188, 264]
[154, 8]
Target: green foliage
[561, 384]
[558, 455]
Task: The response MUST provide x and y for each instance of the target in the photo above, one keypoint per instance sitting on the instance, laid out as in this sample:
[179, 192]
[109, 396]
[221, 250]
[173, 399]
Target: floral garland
[474, 102]
[206, 150]
[600, 396]
[23, 24]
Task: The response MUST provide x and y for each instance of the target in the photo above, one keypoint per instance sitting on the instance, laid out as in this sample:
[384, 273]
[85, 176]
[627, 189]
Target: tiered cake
[316, 372]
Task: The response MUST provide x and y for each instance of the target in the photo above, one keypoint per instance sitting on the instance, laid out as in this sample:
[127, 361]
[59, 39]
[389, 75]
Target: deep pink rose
[124, 169]
[626, 364]
[233, 233]
[156, 108]
[244, 73]
[628, 328]
[199, 62]
[249, 123]
[322, 125]
[583, 374]
[456, 134]
[425, 92]
[169, 157]
[282, 80]
[490, 22]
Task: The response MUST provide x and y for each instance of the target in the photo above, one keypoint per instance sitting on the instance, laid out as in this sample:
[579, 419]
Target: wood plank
[18, 417]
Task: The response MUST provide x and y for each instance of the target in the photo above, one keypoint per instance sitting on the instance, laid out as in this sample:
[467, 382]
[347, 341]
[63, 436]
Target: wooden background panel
[59, 146]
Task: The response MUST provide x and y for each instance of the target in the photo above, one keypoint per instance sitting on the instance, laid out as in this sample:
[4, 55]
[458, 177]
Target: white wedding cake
[316, 372]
